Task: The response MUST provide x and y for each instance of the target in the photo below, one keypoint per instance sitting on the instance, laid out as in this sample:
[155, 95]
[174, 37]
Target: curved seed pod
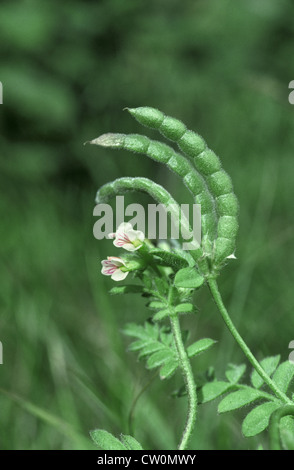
[207, 164]
[156, 191]
[178, 164]
[173, 129]
[227, 204]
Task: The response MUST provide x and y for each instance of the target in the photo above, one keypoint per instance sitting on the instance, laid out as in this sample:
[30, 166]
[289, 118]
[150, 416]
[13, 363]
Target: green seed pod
[156, 191]
[223, 247]
[227, 204]
[205, 200]
[219, 183]
[206, 163]
[227, 227]
[149, 117]
[207, 222]
[200, 170]
[127, 184]
[188, 141]
[191, 144]
[172, 128]
[176, 162]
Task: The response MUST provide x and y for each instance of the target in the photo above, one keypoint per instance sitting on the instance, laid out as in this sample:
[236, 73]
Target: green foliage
[212, 390]
[106, 441]
[169, 258]
[188, 278]
[237, 399]
[240, 395]
[156, 346]
[201, 172]
[200, 346]
[269, 364]
[129, 289]
[283, 375]
[67, 70]
[235, 372]
[286, 430]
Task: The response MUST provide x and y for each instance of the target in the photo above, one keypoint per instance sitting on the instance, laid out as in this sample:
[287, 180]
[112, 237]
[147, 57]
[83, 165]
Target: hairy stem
[251, 358]
[189, 382]
[274, 425]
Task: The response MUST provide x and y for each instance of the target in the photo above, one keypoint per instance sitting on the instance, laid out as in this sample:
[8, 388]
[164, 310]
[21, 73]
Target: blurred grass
[68, 70]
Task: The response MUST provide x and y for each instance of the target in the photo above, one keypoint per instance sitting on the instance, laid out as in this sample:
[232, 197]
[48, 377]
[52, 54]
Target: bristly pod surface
[201, 172]
[157, 192]
[208, 164]
[177, 163]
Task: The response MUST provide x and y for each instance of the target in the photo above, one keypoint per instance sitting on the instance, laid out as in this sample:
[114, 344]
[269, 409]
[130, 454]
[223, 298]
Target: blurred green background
[68, 69]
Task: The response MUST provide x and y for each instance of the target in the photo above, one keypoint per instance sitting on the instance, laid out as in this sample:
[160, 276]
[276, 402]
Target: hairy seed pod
[219, 183]
[156, 191]
[227, 204]
[127, 184]
[223, 247]
[177, 163]
[200, 170]
[188, 141]
[227, 227]
[206, 162]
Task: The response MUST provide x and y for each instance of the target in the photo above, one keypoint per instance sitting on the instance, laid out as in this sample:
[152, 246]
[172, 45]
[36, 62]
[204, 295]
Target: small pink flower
[128, 238]
[112, 267]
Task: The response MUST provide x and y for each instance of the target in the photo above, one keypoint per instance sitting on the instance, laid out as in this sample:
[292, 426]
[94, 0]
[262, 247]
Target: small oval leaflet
[188, 278]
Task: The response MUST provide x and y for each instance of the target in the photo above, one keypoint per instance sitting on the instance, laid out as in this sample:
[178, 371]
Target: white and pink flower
[128, 238]
[112, 266]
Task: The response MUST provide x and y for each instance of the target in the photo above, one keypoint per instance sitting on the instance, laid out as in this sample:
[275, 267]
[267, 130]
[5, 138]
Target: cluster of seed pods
[200, 170]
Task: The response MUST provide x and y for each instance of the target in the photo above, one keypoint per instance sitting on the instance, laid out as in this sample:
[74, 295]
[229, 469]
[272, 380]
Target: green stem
[189, 382]
[274, 425]
[251, 358]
